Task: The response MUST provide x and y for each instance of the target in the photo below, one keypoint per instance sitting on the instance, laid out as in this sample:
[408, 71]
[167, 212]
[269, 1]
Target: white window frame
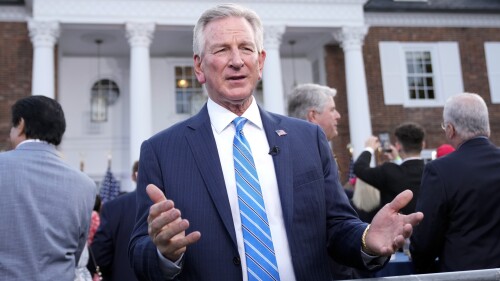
[446, 68]
[172, 63]
[418, 47]
[492, 54]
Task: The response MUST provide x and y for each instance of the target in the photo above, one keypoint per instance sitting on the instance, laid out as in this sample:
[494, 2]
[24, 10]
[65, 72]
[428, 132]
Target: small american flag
[281, 133]
[110, 187]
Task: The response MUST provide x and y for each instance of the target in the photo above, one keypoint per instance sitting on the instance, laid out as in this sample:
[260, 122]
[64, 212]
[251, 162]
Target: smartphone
[385, 142]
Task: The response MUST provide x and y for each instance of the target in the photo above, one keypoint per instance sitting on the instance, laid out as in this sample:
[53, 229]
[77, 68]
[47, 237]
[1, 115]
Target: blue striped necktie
[259, 250]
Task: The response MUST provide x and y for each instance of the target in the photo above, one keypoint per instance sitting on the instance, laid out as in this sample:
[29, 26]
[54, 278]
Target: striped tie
[259, 250]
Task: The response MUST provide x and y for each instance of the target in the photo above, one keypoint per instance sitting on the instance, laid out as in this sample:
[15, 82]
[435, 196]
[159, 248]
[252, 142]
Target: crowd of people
[246, 193]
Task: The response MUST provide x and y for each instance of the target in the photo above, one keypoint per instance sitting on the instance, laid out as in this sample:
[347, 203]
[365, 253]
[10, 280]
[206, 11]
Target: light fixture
[104, 93]
[182, 83]
[98, 102]
[292, 42]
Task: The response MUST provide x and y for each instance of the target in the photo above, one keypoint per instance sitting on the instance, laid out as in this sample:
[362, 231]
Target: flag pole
[109, 160]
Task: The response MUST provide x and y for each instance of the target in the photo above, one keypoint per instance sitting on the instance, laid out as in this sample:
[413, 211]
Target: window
[420, 74]
[188, 91]
[492, 53]
[420, 80]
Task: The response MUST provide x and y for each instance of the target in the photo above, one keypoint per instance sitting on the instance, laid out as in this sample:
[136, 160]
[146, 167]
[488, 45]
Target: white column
[140, 36]
[360, 128]
[43, 35]
[272, 81]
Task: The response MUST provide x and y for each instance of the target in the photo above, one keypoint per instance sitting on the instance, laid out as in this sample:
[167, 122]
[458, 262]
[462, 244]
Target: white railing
[471, 275]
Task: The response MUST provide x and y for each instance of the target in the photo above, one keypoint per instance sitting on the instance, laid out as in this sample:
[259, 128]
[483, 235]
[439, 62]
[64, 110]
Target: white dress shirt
[223, 130]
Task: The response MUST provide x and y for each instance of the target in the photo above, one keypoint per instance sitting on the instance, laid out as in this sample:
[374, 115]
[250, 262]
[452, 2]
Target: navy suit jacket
[184, 162]
[460, 199]
[110, 244]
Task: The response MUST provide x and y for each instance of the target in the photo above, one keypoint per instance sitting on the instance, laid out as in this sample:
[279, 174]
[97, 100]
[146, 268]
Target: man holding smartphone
[392, 178]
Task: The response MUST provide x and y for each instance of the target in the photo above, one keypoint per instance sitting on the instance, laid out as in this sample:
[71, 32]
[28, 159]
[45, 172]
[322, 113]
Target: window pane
[430, 94]
[188, 89]
[429, 82]
[421, 94]
[178, 71]
[412, 94]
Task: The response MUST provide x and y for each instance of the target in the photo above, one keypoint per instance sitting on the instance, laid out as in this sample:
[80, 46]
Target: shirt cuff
[369, 149]
[373, 262]
[169, 268]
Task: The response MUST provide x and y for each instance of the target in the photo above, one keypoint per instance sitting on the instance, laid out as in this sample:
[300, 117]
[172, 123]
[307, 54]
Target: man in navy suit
[110, 245]
[191, 164]
[460, 195]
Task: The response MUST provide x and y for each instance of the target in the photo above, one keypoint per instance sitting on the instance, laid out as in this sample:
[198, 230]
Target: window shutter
[392, 63]
[450, 69]
[492, 52]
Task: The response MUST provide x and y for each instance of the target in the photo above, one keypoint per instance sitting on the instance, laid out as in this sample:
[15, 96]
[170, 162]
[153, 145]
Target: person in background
[316, 104]
[392, 178]
[45, 205]
[459, 195]
[443, 150]
[110, 246]
[234, 157]
[95, 219]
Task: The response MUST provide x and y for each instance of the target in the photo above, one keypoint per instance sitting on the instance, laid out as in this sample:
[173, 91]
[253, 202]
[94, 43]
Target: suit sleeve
[143, 253]
[428, 237]
[371, 175]
[344, 229]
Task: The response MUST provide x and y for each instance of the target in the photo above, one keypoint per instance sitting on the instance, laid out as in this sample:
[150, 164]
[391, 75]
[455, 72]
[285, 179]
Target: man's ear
[20, 127]
[262, 58]
[198, 71]
[311, 115]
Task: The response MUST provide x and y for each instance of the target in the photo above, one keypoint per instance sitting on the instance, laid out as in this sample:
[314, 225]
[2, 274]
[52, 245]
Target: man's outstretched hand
[389, 228]
[166, 227]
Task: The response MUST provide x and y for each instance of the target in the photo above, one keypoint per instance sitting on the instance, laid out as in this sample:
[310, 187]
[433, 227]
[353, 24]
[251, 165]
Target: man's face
[327, 119]
[230, 65]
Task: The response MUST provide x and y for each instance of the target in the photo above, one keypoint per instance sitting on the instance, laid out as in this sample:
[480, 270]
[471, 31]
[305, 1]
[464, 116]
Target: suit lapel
[282, 163]
[201, 140]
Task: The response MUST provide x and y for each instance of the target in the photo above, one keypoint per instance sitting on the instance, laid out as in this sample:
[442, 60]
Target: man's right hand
[166, 227]
[372, 142]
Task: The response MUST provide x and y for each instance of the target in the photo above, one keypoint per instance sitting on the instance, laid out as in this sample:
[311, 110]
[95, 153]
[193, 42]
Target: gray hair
[308, 96]
[224, 11]
[469, 115]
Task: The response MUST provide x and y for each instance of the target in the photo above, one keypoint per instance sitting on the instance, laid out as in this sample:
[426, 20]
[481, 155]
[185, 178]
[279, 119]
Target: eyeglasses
[444, 125]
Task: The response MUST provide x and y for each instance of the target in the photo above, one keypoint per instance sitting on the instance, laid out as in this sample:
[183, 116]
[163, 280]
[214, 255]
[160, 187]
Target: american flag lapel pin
[280, 133]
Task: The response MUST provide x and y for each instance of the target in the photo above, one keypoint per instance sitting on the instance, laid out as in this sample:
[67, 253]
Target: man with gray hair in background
[315, 103]
[460, 196]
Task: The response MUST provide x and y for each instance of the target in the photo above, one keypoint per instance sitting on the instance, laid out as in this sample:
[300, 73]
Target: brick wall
[16, 54]
[386, 118]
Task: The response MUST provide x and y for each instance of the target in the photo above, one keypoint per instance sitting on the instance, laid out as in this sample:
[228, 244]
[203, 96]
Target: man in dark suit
[460, 195]
[110, 245]
[392, 178]
[191, 163]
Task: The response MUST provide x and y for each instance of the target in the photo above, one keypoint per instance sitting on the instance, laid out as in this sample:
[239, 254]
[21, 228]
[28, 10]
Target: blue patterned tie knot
[239, 122]
[259, 250]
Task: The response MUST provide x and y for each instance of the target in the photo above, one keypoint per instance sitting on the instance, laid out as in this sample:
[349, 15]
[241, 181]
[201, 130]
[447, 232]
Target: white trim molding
[13, 14]
[432, 19]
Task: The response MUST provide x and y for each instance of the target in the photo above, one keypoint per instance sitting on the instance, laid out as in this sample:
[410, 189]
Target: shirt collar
[31, 140]
[221, 118]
